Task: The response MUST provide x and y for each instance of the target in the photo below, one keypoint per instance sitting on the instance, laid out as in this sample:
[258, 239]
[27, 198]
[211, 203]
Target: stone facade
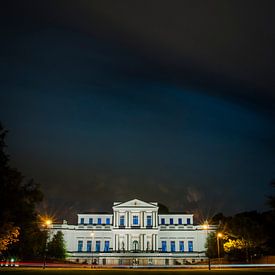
[135, 234]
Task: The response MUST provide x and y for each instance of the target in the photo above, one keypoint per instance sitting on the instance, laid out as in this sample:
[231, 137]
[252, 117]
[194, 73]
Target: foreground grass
[85, 271]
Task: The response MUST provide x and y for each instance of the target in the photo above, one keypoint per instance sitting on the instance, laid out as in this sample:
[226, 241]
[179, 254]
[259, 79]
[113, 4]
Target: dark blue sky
[102, 108]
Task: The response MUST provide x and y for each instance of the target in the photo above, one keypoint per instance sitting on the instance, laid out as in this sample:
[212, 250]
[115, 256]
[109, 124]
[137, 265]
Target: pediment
[135, 203]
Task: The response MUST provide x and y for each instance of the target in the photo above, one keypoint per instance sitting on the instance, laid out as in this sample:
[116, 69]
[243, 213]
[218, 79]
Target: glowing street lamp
[47, 224]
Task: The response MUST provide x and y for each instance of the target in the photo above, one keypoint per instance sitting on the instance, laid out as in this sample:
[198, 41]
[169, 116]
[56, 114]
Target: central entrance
[135, 246]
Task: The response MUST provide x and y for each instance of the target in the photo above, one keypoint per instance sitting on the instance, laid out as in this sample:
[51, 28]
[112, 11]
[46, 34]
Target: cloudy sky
[168, 101]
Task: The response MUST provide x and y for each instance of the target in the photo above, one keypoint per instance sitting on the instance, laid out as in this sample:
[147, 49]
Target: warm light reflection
[48, 222]
[219, 235]
[205, 225]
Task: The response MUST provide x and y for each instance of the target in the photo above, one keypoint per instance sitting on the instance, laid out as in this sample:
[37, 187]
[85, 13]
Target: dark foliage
[56, 247]
[18, 200]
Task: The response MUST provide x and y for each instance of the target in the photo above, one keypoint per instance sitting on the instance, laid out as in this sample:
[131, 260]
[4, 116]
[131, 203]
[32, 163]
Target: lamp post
[205, 226]
[47, 224]
[92, 235]
[219, 235]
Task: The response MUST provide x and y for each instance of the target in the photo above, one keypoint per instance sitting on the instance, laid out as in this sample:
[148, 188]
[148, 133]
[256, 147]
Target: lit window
[90, 220]
[180, 220]
[121, 220]
[173, 246]
[80, 246]
[82, 221]
[97, 246]
[163, 246]
[171, 221]
[107, 220]
[149, 220]
[135, 220]
[190, 246]
[188, 221]
[99, 221]
[162, 221]
[181, 245]
[106, 246]
[89, 246]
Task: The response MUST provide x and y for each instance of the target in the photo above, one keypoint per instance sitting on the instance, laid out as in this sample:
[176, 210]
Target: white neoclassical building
[135, 234]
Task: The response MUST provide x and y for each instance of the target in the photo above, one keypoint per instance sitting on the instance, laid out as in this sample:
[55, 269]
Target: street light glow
[48, 222]
[205, 225]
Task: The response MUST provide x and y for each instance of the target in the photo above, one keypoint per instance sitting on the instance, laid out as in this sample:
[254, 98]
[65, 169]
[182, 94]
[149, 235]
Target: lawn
[65, 271]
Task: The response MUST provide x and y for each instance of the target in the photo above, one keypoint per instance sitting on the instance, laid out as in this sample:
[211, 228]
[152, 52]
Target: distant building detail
[135, 234]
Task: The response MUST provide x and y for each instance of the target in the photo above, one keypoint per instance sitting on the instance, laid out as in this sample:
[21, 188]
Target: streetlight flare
[48, 222]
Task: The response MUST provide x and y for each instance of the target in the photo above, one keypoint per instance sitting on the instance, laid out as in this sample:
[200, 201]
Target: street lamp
[92, 235]
[219, 235]
[47, 223]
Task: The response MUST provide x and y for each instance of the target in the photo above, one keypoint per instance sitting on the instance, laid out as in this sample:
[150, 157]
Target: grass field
[65, 271]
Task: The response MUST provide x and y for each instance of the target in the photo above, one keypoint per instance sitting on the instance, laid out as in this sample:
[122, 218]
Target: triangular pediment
[135, 203]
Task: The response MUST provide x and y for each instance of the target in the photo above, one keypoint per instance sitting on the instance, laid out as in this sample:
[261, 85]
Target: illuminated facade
[135, 234]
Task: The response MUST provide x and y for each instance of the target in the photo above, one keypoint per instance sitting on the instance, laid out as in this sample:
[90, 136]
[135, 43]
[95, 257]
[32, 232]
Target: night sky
[167, 101]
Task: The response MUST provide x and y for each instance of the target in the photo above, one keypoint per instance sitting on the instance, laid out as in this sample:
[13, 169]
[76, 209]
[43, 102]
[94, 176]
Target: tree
[211, 245]
[18, 200]
[244, 234]
[56, 247]
[271, 199]
[8, 234]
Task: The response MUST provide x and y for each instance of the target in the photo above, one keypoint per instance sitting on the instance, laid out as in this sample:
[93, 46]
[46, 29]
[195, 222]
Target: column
[127, 242]
[155, 219]
[130, 241]
[144, 219]
[115, 243]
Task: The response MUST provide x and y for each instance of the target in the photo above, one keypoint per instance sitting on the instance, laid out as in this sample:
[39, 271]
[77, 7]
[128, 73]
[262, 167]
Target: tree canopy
[56, 247]
[18, 216]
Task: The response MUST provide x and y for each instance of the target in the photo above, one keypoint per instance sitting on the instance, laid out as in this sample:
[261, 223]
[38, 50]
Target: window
[89, 246]
[162, 221]
[82, 221]
[106, 246]
[107, 220]
[80, 246]
[181, 245]
[190, 246]
[173, 246]
[149, 220]
[97, 246]
[135, 220]
[90, 220]
[180, 220]
[121, 220]
[163, 246]
[99, 221]
[171, 221]
[188, 221]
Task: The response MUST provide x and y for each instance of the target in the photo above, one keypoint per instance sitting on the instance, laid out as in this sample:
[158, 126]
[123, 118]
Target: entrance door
[135, 246]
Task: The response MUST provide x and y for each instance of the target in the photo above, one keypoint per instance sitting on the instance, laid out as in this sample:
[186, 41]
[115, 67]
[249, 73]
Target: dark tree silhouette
[56, 247]
[18, 200]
